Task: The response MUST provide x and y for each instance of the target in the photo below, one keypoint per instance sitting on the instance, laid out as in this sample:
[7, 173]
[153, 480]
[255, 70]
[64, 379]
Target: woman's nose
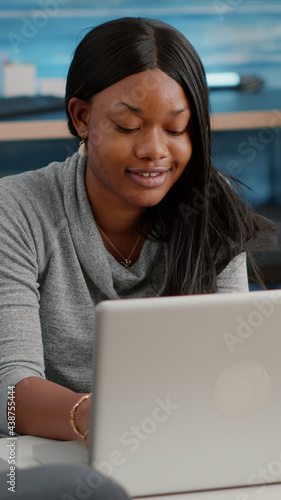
[152, 145]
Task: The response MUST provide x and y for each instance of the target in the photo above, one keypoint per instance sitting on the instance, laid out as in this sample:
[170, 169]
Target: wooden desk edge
[57, 129]
[246, 120]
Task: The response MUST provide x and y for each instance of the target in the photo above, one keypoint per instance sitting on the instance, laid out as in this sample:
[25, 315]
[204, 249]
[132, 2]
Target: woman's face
[138, 140]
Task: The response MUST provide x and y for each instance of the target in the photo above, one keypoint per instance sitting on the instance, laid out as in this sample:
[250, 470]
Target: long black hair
[203, 219]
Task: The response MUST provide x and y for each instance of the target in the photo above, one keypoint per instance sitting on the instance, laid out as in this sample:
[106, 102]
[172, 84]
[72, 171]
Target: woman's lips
[149, 179]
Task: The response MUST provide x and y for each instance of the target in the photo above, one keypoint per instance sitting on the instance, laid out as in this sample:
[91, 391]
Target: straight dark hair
[204, 220]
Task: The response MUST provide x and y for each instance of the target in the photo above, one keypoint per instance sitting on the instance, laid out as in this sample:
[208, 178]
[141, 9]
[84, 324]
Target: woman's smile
[149, 179]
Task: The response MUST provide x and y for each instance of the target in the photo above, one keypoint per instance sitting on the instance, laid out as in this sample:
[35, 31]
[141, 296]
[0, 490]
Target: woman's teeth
[147, 174]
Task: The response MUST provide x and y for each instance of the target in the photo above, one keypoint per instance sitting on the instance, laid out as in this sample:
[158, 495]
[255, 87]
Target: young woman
[138, 212]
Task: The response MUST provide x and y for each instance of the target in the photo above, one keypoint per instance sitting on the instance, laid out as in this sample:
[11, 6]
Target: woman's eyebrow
[174, 112]
[131, 108]
[177, 112]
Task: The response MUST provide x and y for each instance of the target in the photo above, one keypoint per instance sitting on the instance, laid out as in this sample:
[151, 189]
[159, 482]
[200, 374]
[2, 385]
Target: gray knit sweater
[54, 269]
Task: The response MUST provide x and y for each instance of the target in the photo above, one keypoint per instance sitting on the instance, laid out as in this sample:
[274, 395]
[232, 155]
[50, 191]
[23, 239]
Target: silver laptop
[187, 392]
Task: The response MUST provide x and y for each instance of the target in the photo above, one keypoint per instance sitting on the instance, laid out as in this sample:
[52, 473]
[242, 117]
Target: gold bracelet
[72, 415]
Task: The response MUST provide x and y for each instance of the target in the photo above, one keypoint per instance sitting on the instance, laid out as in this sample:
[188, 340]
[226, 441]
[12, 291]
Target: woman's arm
[42, 408]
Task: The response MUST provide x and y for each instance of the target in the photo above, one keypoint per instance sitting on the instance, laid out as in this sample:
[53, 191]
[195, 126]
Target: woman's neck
[114, 216]
[120, 226]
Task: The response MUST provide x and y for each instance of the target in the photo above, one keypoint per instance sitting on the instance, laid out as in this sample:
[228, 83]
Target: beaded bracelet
[72, 415]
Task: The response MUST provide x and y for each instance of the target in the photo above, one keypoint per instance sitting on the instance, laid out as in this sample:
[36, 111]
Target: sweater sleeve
[20, 332]
[234, 278]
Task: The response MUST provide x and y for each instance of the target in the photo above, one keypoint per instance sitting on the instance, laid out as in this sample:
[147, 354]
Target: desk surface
[25, 459]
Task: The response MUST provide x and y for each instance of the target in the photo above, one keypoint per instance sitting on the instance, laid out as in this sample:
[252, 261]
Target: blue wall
[243, 35]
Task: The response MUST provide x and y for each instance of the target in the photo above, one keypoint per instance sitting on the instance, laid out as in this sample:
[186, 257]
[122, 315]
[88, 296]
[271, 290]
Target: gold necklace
[126, 262]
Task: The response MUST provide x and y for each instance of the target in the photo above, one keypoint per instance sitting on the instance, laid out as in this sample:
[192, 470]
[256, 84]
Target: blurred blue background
[242, 35]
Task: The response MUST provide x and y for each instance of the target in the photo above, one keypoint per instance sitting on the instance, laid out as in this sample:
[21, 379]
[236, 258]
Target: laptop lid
[187, 392]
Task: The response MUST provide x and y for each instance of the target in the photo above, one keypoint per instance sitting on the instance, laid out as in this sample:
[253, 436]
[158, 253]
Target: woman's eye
[125, 130]
[174, 132]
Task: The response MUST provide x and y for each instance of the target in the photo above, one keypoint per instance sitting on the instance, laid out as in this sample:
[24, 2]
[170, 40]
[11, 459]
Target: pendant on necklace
[127, 263]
